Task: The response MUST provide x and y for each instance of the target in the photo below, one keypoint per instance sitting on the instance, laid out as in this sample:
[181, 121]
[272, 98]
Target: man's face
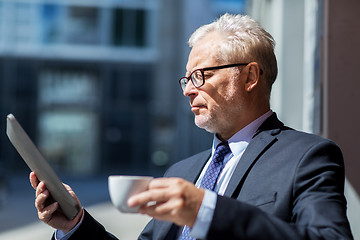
[217, 104]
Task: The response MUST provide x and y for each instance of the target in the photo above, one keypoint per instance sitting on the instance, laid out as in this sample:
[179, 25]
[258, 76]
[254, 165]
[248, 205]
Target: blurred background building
[79, 76]
[95, 83]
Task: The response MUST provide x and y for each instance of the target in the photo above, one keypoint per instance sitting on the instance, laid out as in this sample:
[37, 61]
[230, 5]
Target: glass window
[119, 87]
[140, 85]
[64, 87]
[69, 139]
[68, 122]
[231, 6]
[129, 27]
[22, 12]
[50, 19]
[140, 28]
[24, 27]
[1, 18]
[83, 25]
[2, 22]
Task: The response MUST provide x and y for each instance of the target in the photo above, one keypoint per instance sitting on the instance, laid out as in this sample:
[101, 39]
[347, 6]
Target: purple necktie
[210, 177]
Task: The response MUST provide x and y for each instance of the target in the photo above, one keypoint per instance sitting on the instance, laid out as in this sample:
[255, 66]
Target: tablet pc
[41, 167]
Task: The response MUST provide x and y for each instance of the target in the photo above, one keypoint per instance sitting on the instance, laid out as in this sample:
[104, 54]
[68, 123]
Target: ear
[253, 76]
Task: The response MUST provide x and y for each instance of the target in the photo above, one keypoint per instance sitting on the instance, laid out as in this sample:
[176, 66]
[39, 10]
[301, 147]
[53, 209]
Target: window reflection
[67, 122]
[129, 27]
[83, 25]
[50, 20]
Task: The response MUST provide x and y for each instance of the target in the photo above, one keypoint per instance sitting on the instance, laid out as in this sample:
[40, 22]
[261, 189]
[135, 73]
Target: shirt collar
[244, 135]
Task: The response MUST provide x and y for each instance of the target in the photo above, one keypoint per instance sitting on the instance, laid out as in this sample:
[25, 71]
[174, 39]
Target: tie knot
[221, 150]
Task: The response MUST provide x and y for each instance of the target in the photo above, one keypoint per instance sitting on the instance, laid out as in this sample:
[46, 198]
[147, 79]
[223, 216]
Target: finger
[40, 201]
[68, 188]
[40, 188]
[162, 210]
[160, 190]
[33, 180]
[46, 214]
[152, 212]
[154, 195]
[165, 182]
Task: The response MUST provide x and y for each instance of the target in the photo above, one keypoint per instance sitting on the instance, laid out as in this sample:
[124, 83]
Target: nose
[189, 89]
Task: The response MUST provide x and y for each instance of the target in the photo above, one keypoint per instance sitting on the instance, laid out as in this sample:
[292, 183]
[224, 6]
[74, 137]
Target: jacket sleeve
[90, 229]
[318, 205]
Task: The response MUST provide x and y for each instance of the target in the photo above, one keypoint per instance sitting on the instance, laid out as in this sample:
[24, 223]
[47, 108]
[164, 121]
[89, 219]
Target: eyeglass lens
[197, 78]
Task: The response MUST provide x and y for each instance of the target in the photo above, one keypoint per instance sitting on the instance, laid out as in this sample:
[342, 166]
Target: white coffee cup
[122, 187]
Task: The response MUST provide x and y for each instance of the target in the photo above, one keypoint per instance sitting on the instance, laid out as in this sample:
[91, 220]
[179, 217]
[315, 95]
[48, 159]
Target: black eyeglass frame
[202, 70]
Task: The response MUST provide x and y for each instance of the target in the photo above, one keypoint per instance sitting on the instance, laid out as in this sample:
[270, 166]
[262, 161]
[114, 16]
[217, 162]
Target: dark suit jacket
[287, 185]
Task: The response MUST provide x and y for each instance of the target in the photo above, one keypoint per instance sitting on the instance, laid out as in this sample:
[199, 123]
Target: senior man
[260, 179]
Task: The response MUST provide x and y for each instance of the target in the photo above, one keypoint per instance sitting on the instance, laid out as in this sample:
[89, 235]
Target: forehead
[204, 52]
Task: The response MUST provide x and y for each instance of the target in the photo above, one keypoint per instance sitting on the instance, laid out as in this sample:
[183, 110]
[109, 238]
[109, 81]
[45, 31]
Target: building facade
[78, 76]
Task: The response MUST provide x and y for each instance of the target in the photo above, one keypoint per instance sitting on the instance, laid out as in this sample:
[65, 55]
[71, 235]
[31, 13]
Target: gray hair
[245, 40]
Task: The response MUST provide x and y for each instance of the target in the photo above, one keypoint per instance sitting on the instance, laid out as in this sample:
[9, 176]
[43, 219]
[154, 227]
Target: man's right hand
[49, 211]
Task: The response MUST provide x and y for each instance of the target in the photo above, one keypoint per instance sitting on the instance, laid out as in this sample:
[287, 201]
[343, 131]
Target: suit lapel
[254, 150]
[262, 140]
[194, 171]
[168, 229]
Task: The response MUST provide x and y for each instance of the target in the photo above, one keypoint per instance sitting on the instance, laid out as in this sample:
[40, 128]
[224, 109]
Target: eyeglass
[197, 77]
